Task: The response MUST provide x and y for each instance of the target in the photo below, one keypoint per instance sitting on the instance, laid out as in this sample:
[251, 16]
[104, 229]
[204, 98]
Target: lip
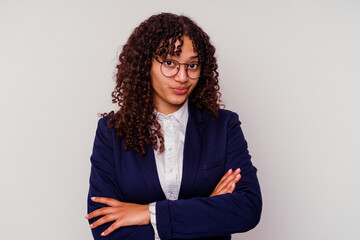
[180, 91]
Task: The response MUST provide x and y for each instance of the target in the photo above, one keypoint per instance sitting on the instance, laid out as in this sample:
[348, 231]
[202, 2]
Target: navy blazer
[212, 146]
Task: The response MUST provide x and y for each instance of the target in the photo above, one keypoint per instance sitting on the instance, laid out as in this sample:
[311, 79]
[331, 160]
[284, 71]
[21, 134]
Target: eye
[169, 63]
[193, 66]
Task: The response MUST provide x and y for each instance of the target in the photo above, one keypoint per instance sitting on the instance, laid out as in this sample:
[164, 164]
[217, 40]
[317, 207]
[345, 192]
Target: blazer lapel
[191, 158]
[192, 151]
[148, 168]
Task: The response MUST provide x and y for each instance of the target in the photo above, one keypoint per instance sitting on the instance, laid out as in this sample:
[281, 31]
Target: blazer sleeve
[221, 215]
[103, 184]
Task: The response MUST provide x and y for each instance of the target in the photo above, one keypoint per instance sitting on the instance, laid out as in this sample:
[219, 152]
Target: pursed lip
[180, 90]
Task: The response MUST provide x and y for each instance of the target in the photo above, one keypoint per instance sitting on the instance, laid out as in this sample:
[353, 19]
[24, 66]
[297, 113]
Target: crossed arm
[232, 207]
[129, 214]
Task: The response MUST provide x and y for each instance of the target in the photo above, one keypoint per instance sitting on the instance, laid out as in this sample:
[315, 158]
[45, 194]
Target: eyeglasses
[170, 68]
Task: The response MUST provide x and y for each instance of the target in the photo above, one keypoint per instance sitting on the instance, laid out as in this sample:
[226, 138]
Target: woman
[167, 163]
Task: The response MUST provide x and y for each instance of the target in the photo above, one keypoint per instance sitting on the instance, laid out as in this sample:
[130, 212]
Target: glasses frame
[178, 69]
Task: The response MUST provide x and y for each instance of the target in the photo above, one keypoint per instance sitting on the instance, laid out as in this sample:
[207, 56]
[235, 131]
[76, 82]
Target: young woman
[167, 163]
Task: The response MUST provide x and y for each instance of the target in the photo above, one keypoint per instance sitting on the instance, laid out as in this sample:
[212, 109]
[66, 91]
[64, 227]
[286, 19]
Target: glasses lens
[193, 70]
[170, 67]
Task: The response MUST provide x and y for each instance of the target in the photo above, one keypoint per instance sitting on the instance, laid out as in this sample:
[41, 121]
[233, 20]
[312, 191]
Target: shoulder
[228, 114]
[201, 115]
[103, 126]
[104, 120]
[229, 119]
[226, 121]
[225, 116]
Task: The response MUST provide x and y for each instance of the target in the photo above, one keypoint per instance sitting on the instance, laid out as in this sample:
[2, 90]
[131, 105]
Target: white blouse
[169, 164]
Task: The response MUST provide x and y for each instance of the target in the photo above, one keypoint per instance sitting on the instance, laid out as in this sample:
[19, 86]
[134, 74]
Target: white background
[291, 69]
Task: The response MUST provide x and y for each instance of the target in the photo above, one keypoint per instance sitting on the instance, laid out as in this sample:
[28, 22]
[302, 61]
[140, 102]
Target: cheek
[194, 86]
[155, 76]
[154, 80]
[158, 85]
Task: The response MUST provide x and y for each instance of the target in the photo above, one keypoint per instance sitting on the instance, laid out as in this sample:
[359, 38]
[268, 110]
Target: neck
[168, 110]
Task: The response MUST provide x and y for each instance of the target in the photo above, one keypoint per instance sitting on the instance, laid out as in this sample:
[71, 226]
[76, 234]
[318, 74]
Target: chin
[179, 100]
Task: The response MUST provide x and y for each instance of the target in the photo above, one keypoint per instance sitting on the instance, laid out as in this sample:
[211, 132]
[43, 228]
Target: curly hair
[136, 121]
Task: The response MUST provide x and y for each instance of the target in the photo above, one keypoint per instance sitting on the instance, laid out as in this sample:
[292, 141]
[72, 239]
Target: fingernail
[93, 198]
[230, 170]
[237, 176]
[238, 170]
[233, 185]
[91, 225]
[102, 234]
[87, 216]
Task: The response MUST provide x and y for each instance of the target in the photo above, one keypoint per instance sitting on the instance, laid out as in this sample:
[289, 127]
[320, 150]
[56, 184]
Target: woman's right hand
[227, 183]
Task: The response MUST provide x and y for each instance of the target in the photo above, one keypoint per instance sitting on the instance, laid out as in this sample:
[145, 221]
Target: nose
[181, 76]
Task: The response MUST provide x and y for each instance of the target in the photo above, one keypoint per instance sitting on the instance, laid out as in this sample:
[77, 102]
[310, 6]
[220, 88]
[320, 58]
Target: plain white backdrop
[290, 69]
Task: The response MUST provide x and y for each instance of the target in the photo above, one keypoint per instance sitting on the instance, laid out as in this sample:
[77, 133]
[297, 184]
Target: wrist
[146, 212]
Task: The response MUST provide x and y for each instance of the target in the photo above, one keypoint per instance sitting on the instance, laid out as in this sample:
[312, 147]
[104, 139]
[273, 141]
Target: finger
[225, 186]
[112, 228]
[225, 176]
[228, 180]
[101, 221]
[228, 173]
[225, 182]
[232, 175]
[231, 188]
[233, 184]
[237, 178]
[100, 212]
[108, 201]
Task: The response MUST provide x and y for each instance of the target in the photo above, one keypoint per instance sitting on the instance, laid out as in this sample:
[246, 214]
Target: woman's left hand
[121, 213]
[227, 183]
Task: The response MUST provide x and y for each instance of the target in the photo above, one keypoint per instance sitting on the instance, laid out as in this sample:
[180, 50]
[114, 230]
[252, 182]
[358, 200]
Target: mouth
[180, 91]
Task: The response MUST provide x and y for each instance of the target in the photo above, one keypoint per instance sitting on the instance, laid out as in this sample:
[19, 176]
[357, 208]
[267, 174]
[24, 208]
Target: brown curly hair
[136, 121]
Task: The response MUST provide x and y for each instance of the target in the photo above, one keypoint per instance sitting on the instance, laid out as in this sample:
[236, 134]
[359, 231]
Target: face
[170, 93]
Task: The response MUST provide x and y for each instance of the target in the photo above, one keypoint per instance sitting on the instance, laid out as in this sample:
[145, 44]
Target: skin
[227, 183]
[128, 214]
[167, 100]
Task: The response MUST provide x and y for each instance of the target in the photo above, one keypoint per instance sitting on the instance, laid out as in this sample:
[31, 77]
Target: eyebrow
[192, 57]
